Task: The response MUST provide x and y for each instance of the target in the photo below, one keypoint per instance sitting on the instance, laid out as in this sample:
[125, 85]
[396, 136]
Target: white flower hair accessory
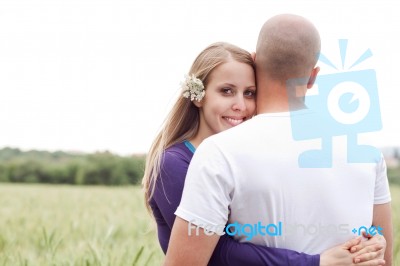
[193, 87]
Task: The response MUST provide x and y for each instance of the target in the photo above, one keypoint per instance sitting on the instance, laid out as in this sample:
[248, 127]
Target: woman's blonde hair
[182, 123]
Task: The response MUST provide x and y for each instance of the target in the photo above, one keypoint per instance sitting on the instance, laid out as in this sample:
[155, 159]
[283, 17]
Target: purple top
[166, 199]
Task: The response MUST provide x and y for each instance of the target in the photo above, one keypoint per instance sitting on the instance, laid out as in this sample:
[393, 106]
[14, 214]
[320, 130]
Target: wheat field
[72, 225]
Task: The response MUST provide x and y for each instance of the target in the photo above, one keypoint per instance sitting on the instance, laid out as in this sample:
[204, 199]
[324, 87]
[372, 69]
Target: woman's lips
[234, 121]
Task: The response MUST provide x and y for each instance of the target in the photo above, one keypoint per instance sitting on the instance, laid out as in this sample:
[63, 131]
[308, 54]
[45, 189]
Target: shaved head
[288, 47]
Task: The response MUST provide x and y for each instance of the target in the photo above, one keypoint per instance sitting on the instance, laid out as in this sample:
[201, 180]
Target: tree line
[101, 168]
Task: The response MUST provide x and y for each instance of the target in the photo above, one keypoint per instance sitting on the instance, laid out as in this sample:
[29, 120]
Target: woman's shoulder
[177, 152]
[175, 162]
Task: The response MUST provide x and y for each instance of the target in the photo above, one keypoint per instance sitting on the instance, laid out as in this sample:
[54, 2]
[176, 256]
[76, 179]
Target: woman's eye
[227, 90]
[250, 93]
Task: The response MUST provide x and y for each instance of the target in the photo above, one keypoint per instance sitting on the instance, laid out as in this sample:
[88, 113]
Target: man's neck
[273, 98]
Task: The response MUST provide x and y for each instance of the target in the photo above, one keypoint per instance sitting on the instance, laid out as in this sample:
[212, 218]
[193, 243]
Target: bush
[102, 168]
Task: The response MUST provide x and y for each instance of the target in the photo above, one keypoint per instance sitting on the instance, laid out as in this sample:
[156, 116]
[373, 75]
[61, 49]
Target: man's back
[252, 171]
[250, 174]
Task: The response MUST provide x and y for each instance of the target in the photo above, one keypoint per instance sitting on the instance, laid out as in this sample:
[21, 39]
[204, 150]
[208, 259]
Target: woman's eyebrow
[228, 84]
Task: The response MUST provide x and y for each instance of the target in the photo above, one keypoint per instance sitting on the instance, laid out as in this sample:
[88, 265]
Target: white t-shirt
[250, 175]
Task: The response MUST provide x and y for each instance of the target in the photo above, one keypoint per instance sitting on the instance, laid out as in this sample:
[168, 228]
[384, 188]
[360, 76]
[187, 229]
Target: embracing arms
[224, 250]
[197, 250]
[228, 251]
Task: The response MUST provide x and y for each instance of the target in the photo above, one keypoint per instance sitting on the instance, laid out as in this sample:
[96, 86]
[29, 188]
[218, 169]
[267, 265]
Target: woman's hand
[365, 253]
[374, 247]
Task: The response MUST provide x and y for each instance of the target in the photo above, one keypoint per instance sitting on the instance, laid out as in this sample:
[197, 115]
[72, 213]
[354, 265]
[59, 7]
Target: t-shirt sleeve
[208, 189]
[232, 253]
[382, 192]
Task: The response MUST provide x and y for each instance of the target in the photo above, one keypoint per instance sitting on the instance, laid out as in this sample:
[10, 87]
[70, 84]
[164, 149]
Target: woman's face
[229, 99]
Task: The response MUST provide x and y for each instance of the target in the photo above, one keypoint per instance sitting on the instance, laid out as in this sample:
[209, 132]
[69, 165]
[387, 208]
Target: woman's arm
[363, 253]
[230, 252]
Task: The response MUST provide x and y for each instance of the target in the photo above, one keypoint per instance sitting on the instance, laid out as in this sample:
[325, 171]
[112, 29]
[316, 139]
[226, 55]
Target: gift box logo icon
[347, 104]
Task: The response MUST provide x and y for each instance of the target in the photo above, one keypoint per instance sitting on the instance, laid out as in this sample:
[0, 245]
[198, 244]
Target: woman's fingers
[369, 256]
[377, 239]
[376, 262]
[372, 248]
[352, 243]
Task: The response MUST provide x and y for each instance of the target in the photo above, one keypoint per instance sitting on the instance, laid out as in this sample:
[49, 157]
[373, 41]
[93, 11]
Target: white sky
[87, 75]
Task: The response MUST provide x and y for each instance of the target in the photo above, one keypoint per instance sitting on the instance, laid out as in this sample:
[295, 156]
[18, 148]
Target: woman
[219, 93]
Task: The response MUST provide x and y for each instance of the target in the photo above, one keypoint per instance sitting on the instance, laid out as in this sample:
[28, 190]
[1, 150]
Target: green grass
[72, 225]
[395, 190]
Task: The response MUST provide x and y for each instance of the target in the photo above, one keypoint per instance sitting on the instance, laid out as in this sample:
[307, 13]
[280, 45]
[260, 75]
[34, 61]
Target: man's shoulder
[244, 128]
[229, 139]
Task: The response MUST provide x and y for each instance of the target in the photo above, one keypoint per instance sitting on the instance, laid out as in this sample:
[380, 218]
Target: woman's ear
[197, 103]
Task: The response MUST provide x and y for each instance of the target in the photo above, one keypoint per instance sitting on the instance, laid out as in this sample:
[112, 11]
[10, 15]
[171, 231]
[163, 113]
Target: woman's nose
[240, 104]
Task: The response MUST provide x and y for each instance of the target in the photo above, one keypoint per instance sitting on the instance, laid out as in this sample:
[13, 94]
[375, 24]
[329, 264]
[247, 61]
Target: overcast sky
[87, 75]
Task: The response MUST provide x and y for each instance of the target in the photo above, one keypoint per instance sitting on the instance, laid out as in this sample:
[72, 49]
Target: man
[250, 175]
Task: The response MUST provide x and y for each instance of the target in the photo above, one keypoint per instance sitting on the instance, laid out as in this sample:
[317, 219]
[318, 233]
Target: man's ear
[313, 77]
[253, 56]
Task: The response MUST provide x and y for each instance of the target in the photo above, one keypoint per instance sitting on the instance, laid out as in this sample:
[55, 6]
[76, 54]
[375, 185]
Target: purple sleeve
[230, 252]
[168, 193]
[166, 199]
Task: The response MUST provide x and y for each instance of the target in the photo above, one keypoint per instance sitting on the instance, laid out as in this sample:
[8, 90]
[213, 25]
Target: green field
[72, 225]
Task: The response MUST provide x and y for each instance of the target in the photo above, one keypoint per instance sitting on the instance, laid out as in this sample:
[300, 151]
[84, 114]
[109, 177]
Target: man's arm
[383, 218]
[185, 249]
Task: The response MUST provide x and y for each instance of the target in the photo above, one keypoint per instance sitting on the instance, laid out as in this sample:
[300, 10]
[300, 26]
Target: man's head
[288, 47]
